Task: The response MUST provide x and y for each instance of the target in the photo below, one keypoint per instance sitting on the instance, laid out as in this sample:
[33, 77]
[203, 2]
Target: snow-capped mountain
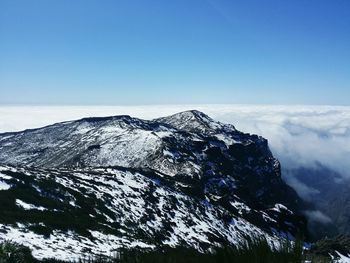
[103, 183]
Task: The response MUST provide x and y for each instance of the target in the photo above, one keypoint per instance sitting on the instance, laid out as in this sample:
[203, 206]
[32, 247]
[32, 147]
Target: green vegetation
[11, 252]
[326, 246]
[253, 252]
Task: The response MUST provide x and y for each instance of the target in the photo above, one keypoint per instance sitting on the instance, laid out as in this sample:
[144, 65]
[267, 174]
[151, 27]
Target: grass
[258, 251]
[11, 252]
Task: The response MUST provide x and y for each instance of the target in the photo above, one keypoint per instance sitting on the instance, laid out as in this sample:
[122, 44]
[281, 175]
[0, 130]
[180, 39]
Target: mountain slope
[178, 180]
[107, 208]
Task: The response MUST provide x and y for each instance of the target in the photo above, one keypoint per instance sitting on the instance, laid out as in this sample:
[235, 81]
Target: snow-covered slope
[103, 183]
[172, 145]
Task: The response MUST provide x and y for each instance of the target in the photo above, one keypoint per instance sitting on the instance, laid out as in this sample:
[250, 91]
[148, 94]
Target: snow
[118, 141]
[168, 153]
[4, 186]
[4, 176]
[226, 139]
[67, 245]
[126, 192]
[342, 258]
[280, 207]
[164, 134]
[240, 206]
[27, 206]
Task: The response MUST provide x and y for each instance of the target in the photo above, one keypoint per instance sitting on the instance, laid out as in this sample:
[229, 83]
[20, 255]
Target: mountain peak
[108, 118]
[195, 113]
[191, 121]
[191, 114]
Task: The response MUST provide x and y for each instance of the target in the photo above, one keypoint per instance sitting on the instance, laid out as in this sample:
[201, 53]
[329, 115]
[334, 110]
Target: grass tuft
[254, 251]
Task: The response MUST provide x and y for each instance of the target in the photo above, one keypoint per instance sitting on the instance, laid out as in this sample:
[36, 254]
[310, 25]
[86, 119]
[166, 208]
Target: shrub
[11, 252]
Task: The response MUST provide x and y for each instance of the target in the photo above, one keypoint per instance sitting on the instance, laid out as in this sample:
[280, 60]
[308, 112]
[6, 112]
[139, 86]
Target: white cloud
[317, 216]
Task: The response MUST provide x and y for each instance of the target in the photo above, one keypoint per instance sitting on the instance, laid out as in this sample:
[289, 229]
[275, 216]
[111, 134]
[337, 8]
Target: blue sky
[121, 52]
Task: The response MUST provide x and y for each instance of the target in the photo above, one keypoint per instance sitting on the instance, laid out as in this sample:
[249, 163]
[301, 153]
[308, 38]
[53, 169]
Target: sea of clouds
[299, 136]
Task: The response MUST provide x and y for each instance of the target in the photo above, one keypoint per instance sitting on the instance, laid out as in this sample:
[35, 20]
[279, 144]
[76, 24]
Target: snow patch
[4, 176]
[27, 206]
[4, 186]
[342, 258]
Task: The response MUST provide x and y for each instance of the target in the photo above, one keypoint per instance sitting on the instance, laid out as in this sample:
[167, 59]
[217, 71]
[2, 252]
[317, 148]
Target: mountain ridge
[218, 172]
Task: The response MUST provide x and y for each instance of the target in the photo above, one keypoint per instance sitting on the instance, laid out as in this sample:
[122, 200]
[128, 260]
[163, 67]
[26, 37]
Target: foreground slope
[102, 183]
[66, 212]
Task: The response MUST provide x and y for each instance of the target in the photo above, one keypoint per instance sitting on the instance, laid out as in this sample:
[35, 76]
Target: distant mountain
[101, 183]
[329, 193]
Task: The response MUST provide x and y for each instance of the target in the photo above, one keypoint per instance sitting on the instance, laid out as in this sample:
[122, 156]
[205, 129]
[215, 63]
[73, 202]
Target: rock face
[336, 248]
[103, 183]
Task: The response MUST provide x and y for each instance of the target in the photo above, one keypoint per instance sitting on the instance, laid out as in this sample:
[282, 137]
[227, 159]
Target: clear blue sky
[176, 51]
